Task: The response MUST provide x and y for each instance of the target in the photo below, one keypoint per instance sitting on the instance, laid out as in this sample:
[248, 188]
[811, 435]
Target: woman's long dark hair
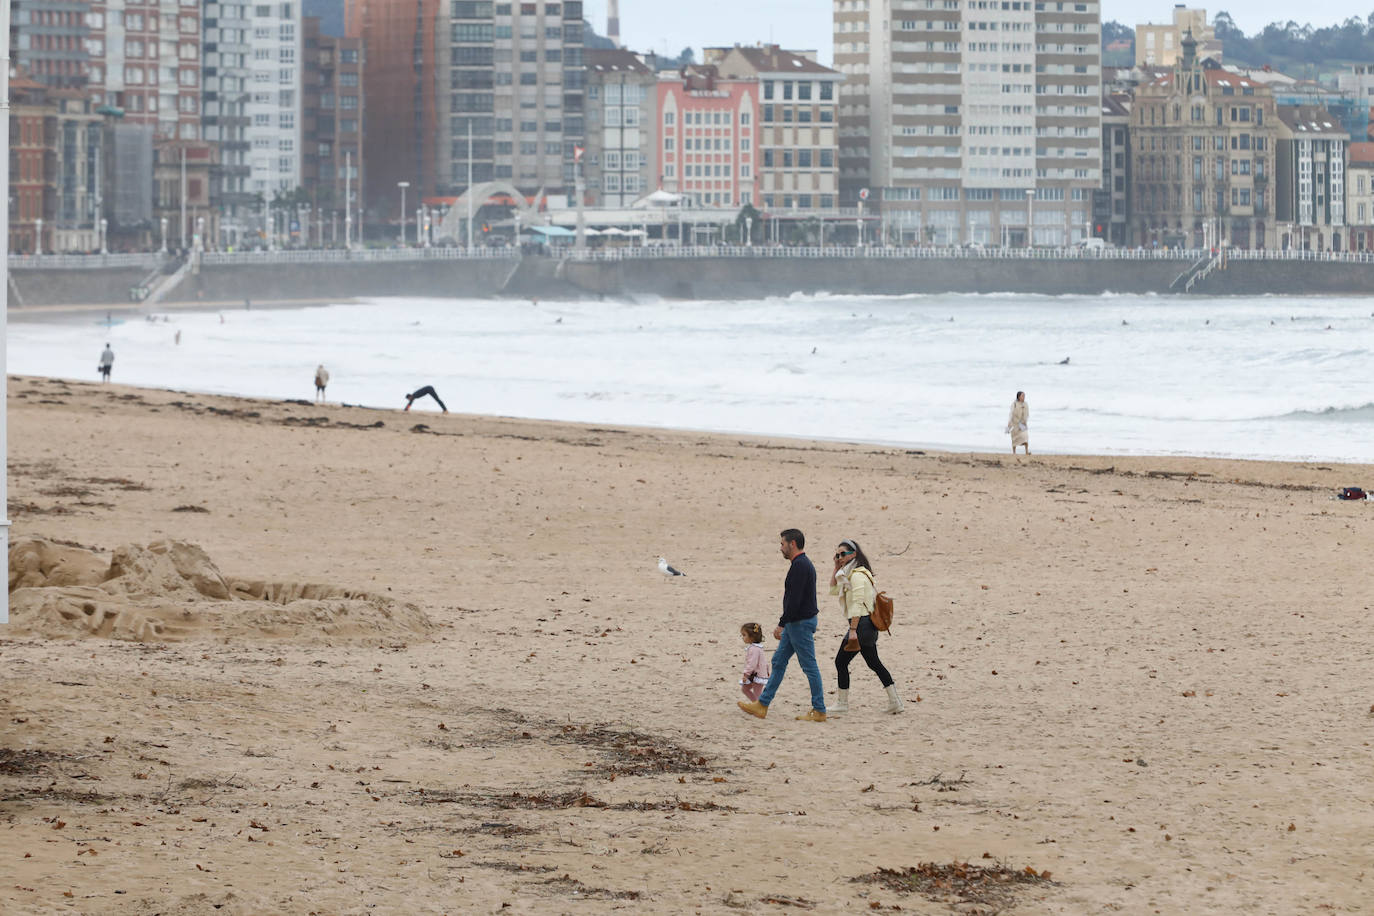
[860, 558]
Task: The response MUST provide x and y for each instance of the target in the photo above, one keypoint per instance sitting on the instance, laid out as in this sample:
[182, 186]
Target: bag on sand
[1352, 493]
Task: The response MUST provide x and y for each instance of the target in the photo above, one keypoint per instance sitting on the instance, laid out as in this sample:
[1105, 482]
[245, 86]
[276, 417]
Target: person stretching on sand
[852, 582]
[755, 673]
[321, 380]
[419, 393]
[106, 363]
[1018, 423]
[795, 632]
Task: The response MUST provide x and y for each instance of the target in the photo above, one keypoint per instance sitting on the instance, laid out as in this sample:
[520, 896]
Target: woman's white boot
[894, 702]
[841, 704]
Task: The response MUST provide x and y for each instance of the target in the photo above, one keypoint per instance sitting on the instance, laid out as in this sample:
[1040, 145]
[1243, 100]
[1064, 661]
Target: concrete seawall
[689, 278]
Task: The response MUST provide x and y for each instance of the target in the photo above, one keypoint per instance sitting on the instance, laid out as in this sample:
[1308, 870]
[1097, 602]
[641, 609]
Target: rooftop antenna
[613, 21]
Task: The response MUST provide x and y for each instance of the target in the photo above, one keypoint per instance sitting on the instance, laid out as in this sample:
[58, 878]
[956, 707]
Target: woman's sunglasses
[841, 556]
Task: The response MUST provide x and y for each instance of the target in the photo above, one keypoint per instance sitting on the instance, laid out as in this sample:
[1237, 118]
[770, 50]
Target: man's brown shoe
[814, 715]
[754, 708]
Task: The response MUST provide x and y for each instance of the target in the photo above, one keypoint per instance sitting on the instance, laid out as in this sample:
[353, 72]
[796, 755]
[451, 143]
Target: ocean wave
[1362, 414]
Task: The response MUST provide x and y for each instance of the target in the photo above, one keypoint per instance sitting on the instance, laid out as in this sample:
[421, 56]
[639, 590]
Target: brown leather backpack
[881, 615]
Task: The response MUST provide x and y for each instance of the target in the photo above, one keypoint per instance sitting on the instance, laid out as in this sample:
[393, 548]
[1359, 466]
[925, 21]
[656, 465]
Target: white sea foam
[1250, 378]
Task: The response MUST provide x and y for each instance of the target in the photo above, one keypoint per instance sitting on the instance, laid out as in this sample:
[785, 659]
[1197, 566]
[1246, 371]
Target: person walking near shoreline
[106, 363]
[852, 581]
[795, 632]
[321, 380]
[1018, 423]
[421, 392]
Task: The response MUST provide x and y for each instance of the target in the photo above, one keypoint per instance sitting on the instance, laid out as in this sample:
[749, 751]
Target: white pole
[4, 295]
[182, 234]
[348, 199]
[468, 192]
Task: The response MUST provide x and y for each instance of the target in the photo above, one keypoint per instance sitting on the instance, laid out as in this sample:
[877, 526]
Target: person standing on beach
[106, 363]
[321, 380]
[1018, 423]
[795, 632]
[852, 582]
[421, 392]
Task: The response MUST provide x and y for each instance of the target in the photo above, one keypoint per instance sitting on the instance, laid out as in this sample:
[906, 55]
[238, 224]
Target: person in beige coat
[852, 583]
[1018, 423]
[321, 380]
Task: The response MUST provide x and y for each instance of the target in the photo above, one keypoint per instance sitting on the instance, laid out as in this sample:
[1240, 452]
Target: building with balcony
[796, 162]
[1359, 195]
[331, 129]
[707, 128]
[1162, 45]
[512, 77]
[1310, 190]
[621, 117]
[55, 169]
[48, 41]
[145, 60]
[1112, 203]
[1203, 144]
[970, 120]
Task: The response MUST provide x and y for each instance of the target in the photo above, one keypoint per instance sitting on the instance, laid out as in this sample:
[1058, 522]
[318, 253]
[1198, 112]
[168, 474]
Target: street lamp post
[403, 185]
[163, 224]
[1030, 217]
[200, 233]
[749, 231]
[104, 230]
[38, 236]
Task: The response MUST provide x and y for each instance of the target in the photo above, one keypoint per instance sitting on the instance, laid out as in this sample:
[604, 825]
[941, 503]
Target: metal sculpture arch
[452, 225]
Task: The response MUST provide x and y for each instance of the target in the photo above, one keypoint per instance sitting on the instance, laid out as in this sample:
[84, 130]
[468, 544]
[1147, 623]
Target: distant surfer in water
[421, 392]
[1064, 361]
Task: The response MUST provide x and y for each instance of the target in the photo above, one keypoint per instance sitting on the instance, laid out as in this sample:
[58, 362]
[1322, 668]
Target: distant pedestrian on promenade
[421, 392]
[1018, 423]
[852, 582]
[106, 363]
[321, 380]
[795, 632]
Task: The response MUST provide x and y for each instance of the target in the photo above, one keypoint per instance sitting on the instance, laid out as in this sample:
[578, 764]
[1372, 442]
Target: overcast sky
[667, 27]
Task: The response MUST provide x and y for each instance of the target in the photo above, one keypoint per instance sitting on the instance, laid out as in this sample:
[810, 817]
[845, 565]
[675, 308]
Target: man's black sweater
[799, 592]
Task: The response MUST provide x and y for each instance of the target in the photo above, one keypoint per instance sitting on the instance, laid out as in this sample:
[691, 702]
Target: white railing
[880, 253]
[363, 255]
[83, 261]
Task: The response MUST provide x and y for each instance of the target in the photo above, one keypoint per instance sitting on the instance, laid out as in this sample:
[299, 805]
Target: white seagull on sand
[667, 570]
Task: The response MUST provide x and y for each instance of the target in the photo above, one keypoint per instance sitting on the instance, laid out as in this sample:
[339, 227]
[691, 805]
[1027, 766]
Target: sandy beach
[276, 657]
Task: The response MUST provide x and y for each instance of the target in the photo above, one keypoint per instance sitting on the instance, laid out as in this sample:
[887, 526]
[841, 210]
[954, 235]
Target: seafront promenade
[142, 280]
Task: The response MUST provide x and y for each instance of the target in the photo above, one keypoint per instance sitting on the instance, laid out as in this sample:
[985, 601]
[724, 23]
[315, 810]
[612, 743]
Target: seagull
[667, 570]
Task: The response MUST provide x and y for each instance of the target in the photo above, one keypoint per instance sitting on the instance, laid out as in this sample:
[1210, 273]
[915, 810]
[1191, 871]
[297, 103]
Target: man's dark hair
[795, 536]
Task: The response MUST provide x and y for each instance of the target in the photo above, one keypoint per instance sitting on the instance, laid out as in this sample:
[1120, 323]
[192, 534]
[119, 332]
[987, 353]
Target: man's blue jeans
[798, 639]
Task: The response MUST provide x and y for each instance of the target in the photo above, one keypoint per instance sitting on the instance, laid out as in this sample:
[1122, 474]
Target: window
[667, 119]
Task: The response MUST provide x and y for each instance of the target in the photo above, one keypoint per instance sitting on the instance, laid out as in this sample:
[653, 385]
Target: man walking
[106, 363]
[796, 630]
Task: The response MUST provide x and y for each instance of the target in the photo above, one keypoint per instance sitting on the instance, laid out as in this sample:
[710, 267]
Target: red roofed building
[1203, 141]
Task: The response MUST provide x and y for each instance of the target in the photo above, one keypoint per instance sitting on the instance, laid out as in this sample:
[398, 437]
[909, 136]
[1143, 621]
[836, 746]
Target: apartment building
[513, 74]
[621, 118]
[226, 81]
[1310, 191]
[145, 60]
[1112, 203]
[331, 128]
[1203, 143]
[969, 119]
[1162, 45]
[48, 41]
[796, 162]
[1359, 195]
[274, 106]
[707, 128]
[55, 138]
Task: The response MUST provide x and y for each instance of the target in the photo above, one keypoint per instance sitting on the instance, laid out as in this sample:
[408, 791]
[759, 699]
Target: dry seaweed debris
[974, 890]
[632, 753]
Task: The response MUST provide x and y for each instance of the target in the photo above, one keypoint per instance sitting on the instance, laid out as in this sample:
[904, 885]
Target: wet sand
[426, 664]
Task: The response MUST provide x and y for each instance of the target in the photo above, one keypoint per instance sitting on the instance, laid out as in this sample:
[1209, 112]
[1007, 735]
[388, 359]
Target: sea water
[1269, 377]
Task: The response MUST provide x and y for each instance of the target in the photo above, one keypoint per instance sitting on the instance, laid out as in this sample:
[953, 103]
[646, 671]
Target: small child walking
[756, 667]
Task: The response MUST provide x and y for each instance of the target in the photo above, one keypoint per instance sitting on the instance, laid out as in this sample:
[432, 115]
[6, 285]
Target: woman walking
[1018, 423]
[852, 581]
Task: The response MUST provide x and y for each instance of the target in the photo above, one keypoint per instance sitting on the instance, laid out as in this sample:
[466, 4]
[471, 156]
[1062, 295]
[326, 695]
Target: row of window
[825, 92]
[803, 158]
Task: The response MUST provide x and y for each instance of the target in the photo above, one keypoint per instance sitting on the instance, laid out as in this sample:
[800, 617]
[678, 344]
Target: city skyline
[648, 25]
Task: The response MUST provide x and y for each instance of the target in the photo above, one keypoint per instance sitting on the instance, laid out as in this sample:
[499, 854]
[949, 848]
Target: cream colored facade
[968, 120]
[1161, 45]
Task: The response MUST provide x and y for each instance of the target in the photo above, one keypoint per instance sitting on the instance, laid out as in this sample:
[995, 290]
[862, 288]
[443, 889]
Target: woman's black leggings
[868, 648]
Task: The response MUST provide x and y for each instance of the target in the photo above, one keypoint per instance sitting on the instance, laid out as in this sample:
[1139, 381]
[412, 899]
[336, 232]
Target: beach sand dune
[1146, 677]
